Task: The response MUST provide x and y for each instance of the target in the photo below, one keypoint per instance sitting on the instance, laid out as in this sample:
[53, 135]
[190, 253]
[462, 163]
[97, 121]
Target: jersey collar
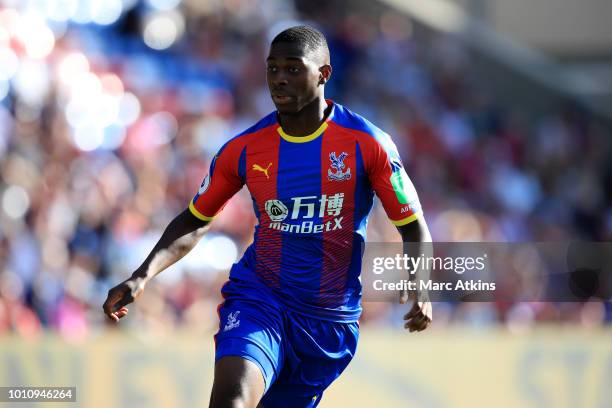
[313, 135]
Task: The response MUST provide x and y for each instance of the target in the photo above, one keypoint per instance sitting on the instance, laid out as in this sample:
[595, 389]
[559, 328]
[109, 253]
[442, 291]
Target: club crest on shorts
[337, 163]
[232, 321]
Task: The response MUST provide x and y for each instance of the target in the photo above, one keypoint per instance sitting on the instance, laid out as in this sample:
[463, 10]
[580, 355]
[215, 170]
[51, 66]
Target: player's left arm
[417, 235]
[401, 203]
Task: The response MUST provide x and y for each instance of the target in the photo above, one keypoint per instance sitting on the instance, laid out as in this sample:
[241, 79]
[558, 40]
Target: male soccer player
[289, 323]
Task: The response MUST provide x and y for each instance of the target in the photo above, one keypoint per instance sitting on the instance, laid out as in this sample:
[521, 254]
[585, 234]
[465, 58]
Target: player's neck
[307, 120]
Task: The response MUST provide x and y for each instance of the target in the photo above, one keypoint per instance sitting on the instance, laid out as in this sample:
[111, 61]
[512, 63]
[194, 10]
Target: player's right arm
[224, 179]
[180, 236]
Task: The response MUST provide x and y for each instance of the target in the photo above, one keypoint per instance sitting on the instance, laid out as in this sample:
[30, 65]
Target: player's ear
[324, 74]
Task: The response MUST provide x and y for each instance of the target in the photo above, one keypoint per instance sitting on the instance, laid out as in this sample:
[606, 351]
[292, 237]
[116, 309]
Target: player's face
[294, 77]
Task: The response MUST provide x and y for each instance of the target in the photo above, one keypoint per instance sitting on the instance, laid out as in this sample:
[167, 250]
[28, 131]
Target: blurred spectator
[109, 117]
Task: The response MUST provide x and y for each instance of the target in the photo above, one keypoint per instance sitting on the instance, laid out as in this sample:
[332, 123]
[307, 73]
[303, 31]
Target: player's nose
[279, 80]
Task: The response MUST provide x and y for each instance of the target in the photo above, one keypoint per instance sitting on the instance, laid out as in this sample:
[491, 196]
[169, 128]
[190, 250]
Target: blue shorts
[299, 356]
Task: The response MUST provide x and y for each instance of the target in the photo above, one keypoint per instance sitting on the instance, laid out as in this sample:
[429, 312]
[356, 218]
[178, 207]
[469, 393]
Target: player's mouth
[282, 99]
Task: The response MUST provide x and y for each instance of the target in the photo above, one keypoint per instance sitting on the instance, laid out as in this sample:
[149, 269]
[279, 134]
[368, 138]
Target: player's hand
[120, 296]
[420, 315]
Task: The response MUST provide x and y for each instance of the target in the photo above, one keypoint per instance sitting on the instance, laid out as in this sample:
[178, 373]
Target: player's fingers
[424, 324]
[115, 316]
[420, 322]
[115, 301]
[417, 327]
[413, 323]
[410, 326]
[121, 313]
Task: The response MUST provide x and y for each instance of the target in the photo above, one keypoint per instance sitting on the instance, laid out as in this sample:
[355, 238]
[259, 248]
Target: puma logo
[257, 167]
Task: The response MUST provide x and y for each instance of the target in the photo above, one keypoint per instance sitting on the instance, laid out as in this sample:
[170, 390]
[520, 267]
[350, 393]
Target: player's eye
[294, 70]
[272, 68]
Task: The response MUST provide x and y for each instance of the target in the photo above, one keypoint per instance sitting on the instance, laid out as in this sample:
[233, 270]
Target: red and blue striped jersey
[312, 196]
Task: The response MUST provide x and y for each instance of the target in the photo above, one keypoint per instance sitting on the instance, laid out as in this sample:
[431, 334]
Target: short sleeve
[224, 179]
[390, 180]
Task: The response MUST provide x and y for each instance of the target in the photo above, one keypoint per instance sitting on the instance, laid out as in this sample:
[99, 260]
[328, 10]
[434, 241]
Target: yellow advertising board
[440, 368]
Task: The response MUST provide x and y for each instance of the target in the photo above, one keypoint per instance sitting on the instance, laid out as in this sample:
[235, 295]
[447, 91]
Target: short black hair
[311, 39]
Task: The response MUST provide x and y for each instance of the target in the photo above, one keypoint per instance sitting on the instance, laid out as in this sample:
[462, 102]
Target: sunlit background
[110, 111]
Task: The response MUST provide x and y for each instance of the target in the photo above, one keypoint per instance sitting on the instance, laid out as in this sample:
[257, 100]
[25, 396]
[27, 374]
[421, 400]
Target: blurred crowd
[109, 117]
